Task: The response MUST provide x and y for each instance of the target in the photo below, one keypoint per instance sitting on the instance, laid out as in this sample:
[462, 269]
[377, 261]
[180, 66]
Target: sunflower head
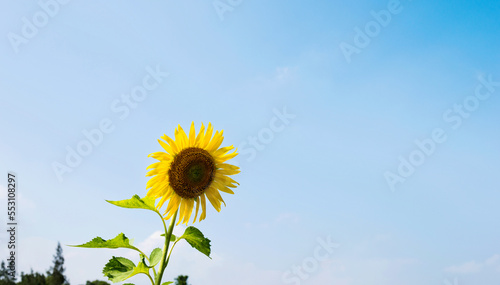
[190, 171]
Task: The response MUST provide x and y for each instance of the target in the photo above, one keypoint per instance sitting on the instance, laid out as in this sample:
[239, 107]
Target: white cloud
[153, 241]
[287, 218]
[494, 260]
[285, 73]
[469, 267]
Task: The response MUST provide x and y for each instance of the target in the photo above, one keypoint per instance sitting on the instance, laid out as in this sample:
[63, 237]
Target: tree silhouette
[5, 278]
[181, 280]
[32, 279]
[55, 275]
[97, 282]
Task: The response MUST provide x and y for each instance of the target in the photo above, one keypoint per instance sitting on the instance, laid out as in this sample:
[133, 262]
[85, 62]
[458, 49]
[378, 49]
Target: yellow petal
[161, 190]
[192, 135]
[222, 158]
[163, 199]
[207, 137]
[156, 187]
[183, 211]
[228, 181]
[189, 205]
[180, 137]
[222, 187]
[152, 193]
[162, 156]
[154, 165]
[180, 214]
[228, 166]
[216, 142]
[166, 147]
[227, 171]
[200, 136]
[222, 151]
[217, 195]
[173, 205]
[213, 200]
[197, 208]
[157, 171]
[172, 144]
[152, 181]
[203, 207]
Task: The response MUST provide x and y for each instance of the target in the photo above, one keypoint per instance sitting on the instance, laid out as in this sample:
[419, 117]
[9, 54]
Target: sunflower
[191, 170]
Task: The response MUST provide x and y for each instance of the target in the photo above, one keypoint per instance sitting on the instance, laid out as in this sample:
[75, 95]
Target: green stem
[168, 235]
[172, 249]
[152, 282]
[165, 229]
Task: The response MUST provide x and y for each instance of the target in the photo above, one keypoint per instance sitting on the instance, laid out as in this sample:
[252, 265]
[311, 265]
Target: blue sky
[319, 131]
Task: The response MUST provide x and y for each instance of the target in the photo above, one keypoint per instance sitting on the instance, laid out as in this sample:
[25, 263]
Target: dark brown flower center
[191, 172]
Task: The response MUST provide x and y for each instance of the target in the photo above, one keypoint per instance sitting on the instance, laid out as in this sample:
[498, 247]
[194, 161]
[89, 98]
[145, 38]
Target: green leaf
[120, 241]
[136, 202]
[196, 239]
[172, 237]
[121, 268]
[166, 283]
[155, 257]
